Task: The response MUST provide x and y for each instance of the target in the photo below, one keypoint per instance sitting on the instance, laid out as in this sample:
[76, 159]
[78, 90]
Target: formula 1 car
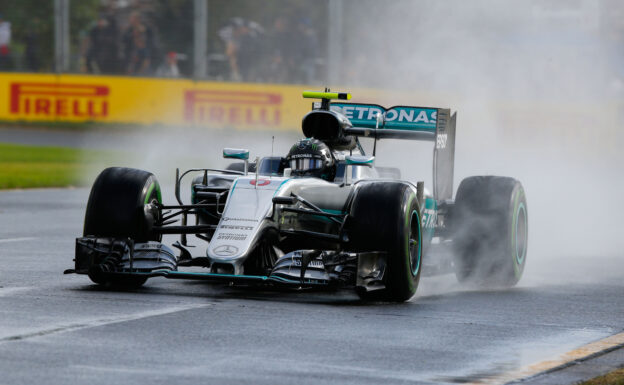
[322, 217]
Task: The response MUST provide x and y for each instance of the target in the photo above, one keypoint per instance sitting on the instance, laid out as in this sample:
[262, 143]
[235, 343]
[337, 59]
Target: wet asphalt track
[62, 329]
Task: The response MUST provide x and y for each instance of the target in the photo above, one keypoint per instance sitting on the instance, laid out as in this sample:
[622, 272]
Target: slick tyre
[119, 207]
[490, 231]
[386, 217]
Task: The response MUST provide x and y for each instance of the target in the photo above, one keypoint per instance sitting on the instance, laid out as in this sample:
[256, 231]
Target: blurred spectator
[284, 51]
[308, 56]
[169, 69]
[31, 42]
[138, 42]
[102, 51]
[243, 48]
[5, 41]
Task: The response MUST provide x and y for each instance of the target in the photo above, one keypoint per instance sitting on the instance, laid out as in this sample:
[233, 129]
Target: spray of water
[537, 99]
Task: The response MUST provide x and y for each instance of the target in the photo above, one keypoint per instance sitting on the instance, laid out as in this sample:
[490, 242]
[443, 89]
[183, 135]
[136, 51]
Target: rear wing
[406, 122]
[400, 122]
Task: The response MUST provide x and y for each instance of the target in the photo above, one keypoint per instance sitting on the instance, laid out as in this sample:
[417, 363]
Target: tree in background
[32, 27]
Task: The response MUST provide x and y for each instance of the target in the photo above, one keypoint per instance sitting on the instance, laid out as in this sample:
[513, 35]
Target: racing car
[321, 217]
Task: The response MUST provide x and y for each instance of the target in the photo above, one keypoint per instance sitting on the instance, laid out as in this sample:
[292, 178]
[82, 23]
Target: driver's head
[311, 157]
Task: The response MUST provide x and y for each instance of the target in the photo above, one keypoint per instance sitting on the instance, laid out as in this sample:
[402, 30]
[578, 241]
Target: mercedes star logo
[225, 250]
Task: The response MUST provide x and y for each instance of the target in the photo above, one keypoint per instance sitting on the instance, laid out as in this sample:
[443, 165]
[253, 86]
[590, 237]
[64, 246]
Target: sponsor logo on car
[232, 237]
[225, 250]
[225, 219]
[234, 227]
[259, 182]
[400, 117]
[441, 141]
[411, 115]
[313, 263]
[59, 100]
[358, 112]
[429, 218]
[234, 108]
[306, 156]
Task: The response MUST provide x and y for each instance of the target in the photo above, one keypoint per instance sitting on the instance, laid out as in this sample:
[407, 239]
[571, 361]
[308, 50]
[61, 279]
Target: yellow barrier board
[183, 102]
[80, 98]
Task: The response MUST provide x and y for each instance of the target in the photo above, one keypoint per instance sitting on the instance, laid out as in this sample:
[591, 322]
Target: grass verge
[614, 378]
[23, 166]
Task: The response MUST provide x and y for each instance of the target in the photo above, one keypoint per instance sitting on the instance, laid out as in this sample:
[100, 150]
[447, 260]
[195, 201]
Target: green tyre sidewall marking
[411, 275]
[520, 256]
[153, 186]
[414, 271]
[518, 263]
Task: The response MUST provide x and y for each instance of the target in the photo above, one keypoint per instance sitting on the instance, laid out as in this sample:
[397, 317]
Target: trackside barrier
[179, 102]
[183, 102]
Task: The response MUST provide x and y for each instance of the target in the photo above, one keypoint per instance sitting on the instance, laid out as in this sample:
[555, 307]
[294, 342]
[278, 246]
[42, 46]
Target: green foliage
[614, 378]
[31, 16]
[37, 17]
[37, 166]
[83, 15]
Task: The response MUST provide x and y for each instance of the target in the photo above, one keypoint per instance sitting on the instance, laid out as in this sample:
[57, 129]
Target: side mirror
[360, 160]
[356, 160]
[235, 153]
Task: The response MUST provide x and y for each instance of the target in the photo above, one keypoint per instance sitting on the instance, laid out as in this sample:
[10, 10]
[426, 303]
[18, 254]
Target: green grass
[614, 378]
[23, 166]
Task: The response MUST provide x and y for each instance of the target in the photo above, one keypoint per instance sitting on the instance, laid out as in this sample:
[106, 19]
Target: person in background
[5, 41]
[31, 42]
[284, 50]
[169, 69]
[138, 43]
[241, 38]
[102, 51]
[308, 55]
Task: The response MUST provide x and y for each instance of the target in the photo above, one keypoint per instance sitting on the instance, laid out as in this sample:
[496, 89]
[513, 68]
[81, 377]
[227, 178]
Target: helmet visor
[305, 164]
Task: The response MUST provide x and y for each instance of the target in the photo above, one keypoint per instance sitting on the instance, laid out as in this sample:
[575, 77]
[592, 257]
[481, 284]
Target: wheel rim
[521, 234]
[414, 243]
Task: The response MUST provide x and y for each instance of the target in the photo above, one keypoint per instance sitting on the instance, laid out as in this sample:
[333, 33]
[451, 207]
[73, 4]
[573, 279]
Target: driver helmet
[311, 157]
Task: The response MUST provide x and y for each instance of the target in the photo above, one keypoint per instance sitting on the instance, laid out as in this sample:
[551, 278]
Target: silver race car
[322, 217]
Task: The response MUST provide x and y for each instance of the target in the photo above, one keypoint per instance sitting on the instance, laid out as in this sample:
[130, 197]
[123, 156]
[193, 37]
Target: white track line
[98, 322]
[5, 291]
[7, 240]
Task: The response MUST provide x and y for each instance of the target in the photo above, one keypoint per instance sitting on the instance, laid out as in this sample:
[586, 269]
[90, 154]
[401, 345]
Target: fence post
[200, 30]
[61, 35]
[334, 37]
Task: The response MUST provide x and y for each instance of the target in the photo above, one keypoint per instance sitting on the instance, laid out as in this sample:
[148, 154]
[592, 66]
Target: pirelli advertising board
[80, 98]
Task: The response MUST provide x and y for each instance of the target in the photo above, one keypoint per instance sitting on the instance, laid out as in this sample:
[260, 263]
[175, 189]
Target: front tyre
[386, 217]
[490, 231]
[120, 206]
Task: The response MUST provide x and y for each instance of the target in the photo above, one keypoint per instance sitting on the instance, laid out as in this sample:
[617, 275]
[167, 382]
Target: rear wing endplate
[444, 155]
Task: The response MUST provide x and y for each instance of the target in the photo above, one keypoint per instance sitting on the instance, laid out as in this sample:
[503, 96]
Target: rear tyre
[120, 206]
[490, 231]
[386, 217]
